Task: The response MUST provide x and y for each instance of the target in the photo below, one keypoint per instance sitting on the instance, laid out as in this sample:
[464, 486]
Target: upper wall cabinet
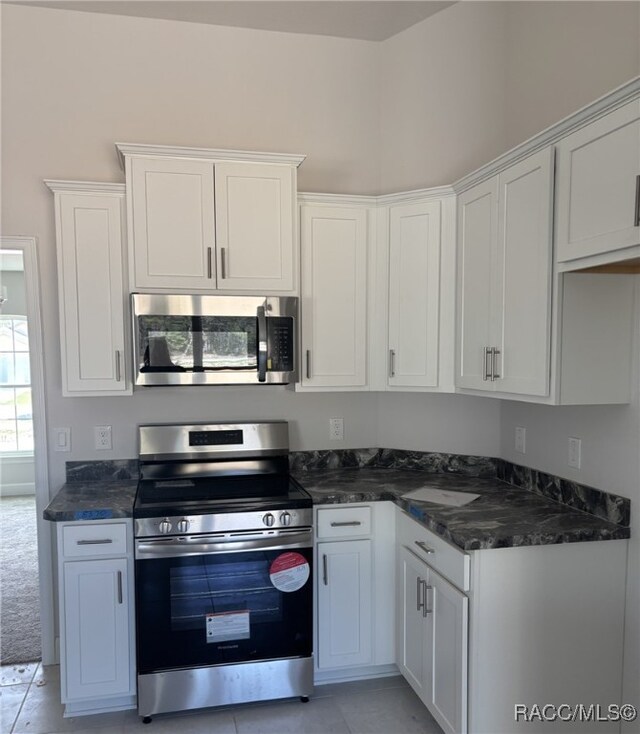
[204, 220]
[91, 285]
[598, 187]
[504, 279]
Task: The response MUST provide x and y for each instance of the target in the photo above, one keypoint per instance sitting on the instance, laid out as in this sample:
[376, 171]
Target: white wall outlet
[102, 437]
[336, 429]
[575, 452]
[62, 439]
[521, 440]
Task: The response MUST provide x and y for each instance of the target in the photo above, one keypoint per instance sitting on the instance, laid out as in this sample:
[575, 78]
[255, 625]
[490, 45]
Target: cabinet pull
[486, 353]
[308, 364]
[345, 524]
[118, 370]
[119, 587]
[392, 363]
[223, 262]
[419, 601]
[494, 373]
[425, 606]
[636, 221]
[209, 266]
[99, 541]
[325, 570]
[424, 547]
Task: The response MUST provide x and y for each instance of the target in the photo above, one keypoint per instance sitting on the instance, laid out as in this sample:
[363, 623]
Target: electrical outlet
[521, 439]
[102, 437]
[336, 429]
[575, 452]
[62, 439]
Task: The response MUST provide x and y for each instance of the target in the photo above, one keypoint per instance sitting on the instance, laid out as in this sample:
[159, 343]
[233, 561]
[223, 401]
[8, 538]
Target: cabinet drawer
[443, 557]
[340, 522]
[80, 541]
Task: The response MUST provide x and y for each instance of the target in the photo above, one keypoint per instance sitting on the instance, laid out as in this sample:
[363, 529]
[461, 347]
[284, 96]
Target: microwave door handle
[262, 345]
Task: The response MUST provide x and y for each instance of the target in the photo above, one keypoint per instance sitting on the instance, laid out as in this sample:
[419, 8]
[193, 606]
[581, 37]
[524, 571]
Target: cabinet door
[334, 296]
[446, 654]
[477, 238]
[411, 623]
[254, 226]
[598, 169]
[91, 293]
[345, 598]
[96, 629]
[522, 277]
[414, 294]
[172, 223]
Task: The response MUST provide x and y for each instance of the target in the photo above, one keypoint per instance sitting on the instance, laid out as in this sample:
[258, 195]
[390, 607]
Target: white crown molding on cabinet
[401, 197]
[602, 106]
[208, 154]
[85, 187]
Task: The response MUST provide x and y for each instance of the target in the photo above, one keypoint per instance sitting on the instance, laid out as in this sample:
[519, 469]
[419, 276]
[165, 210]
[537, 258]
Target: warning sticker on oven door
[225, 626]
[289, 571]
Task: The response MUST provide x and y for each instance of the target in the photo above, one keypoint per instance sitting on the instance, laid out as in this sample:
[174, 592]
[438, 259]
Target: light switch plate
[62, 439]
[575, 452]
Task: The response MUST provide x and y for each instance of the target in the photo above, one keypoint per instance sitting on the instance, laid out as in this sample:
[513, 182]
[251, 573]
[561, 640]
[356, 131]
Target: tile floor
[30, 703]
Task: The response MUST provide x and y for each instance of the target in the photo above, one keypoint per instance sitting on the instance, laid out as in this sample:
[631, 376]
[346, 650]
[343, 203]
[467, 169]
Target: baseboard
[18, 489]
[352, 674]
[100, 706]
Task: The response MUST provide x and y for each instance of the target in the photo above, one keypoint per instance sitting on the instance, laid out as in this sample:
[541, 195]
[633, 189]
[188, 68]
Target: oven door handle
[262, 344]
[203, 545]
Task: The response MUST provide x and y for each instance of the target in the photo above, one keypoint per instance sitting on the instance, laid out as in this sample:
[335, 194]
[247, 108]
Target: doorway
[26, 611]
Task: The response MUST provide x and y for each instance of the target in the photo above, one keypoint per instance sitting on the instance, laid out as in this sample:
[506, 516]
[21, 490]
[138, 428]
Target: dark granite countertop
[503, 516]
[92, 500]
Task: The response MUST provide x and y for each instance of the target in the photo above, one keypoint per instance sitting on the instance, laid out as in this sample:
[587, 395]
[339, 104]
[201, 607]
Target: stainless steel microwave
[213, 340]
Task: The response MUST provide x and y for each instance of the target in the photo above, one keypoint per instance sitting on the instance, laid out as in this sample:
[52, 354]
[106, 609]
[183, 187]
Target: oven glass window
[220, 608]
[197, 343]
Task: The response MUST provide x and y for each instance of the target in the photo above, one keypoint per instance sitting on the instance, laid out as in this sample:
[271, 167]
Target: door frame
[28, 247]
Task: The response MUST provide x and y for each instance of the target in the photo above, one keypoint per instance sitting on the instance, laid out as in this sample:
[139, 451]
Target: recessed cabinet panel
[414, 294]
[254, 226]
[173, 223]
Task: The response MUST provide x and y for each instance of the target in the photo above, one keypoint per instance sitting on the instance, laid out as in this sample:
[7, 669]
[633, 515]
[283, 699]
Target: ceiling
[371, 20]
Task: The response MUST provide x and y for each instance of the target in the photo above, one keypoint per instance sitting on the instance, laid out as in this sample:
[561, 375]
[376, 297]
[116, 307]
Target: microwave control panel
[280, 344]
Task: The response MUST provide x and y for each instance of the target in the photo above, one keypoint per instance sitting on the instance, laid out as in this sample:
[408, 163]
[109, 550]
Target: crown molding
[340, 199]
[407, 197]
[85, 187]
[400, 197]
[209, 154]
[602, 106]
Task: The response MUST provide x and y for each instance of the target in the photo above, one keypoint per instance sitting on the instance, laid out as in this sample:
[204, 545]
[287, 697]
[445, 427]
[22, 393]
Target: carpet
[19, 589]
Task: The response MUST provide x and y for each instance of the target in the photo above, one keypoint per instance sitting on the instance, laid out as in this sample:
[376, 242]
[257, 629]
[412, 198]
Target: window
[16, 425]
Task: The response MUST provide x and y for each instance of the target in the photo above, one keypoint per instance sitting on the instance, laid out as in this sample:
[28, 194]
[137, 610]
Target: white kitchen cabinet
[91, 288]
[97, 651]
[354, 591]
[211, 220]
[598, 187]
[504, 280]
[333, 295]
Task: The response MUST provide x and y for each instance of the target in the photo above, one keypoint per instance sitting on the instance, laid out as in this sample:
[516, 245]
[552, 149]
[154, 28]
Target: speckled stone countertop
[503, 516]
[92, 500]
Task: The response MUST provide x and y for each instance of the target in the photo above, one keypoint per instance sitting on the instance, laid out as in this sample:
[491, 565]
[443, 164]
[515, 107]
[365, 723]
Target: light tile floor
[30, 704]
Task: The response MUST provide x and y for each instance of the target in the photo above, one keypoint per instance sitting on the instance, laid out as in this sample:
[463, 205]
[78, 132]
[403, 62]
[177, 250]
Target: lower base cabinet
[96, 616]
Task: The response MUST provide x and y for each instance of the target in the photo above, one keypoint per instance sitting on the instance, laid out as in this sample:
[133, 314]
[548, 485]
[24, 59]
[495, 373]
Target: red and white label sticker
[289, 571]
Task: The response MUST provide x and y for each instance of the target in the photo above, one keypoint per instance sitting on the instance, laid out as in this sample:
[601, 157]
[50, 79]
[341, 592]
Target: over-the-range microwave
[213, 340]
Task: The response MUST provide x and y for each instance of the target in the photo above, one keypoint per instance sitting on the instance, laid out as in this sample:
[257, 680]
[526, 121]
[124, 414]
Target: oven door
[200, 601]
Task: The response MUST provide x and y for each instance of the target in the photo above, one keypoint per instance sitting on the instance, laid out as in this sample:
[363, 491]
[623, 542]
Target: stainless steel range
[224, 568]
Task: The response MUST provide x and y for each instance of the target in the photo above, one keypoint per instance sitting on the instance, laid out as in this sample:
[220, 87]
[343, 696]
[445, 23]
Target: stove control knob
[165, 526]
[268, 519]
[183, 525]
[285, 519]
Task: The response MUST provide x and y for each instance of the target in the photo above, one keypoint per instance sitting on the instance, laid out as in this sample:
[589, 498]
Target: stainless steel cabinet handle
[419, 601]
[119, 587]
[118, 370]
[425, 606]
[636, 221]
[325, 570]
[392, 363]
[424, 547]
[494, 373]
[209, 266]
[486, 354]
[308, 364]
[350, 523]
[100, 541]
[223, 262]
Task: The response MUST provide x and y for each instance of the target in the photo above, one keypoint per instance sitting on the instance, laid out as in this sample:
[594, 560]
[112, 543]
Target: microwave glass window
[197, 343]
